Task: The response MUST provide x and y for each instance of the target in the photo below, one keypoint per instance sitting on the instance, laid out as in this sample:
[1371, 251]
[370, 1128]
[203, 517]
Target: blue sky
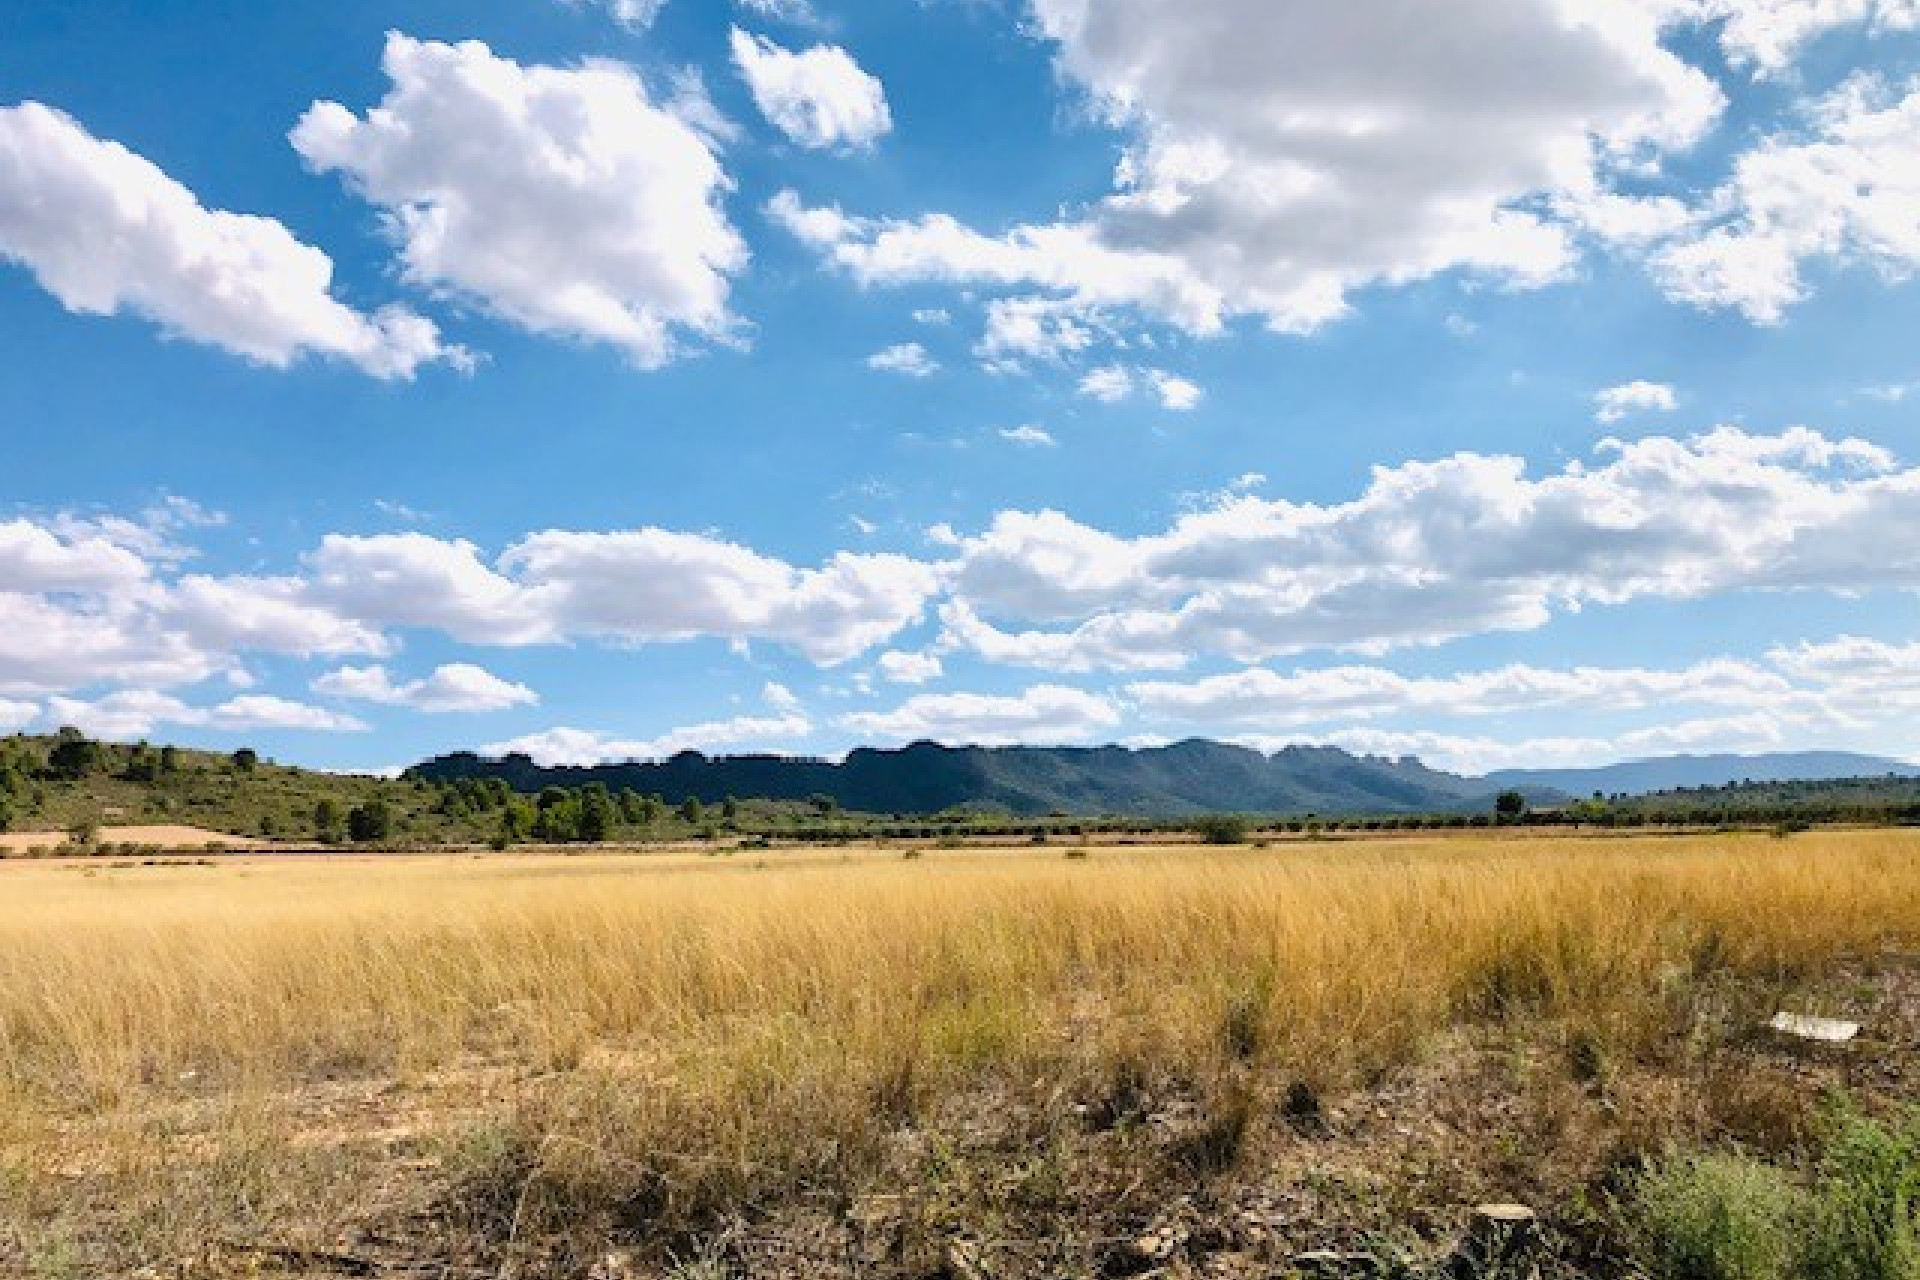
[605, 378]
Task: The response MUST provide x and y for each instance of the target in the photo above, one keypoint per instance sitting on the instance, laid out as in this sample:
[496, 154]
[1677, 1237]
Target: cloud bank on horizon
[603, 379]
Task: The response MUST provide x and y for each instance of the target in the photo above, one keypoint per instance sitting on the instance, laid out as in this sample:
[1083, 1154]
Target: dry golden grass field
[859, 1062]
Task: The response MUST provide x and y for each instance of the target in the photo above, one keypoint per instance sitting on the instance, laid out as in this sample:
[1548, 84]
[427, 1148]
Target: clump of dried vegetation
[577, 1065]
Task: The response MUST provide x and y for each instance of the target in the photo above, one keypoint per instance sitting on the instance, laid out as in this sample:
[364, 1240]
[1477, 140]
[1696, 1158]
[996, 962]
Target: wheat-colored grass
[745, 1020]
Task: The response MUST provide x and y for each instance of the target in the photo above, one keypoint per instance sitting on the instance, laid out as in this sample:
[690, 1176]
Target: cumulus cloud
[1261, 698]
[1436, 550]
[1023, 330]
[1282, 156]
[106, 231]
[82, 608]
[1847, 189]
[455, 687]
[1766, 35]
[818, 97]
[568, 746]
[655, 585]
[1044, 714]
[909, 358]
[565, 200]
[136, 713]
[1629, 398]
[900, 667]
[1029, 435]
[1115, 383]
[15, 716]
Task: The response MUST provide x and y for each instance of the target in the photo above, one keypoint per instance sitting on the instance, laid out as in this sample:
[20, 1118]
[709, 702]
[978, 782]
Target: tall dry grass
[719, 1027]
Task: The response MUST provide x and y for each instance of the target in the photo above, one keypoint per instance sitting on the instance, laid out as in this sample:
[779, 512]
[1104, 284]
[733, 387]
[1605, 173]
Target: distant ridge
[1190, 777]
[1185, 778]
[1670, 773]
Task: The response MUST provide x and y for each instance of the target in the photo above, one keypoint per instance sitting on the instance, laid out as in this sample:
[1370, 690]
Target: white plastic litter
[1826, 1030]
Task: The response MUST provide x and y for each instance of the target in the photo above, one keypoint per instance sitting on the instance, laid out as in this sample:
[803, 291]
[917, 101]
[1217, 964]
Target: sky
[605, 378]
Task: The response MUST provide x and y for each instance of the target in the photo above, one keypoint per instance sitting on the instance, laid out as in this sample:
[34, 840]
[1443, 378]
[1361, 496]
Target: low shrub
[1716, 1217]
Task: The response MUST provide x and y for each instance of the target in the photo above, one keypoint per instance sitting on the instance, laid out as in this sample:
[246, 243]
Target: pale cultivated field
[171, 838]
[511, 1052]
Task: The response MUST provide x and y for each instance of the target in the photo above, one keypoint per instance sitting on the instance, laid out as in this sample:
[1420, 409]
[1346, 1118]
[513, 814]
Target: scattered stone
[1805, 1027]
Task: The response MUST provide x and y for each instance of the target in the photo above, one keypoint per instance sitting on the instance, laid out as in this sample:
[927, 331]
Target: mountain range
[1195, 776]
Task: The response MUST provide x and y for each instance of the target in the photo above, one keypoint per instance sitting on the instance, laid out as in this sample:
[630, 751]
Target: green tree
[6, 814]
[369, 822]
[1508, 806]
[74, 756]
[246, 760]
[595, 814]
[691, 810]
[327, 819]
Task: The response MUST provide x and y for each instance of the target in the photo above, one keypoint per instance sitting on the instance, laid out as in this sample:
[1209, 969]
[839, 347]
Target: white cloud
[34, 557]
[106, 231]
[272, 615]
[1283, 155]
[780, 698]
[933, 315]
[1177, 394]
[1043, 329]
[415, 580]
[818, 97]
[1109, 384]
[909, 358]
[568, 746]
[52, 645]
[261, 711]
[454, 687]
[1436, 550]
[136, 713]
[900, 667]
[1767, 34]
[1257, 698]
[1858, 680]
[654, 585]
[565, 200]
[1044, 714]
[1115, 383]
[637, 14]
[15, 716]
[1477, 755]
[649, 585]
[1029, 435]
[1627, 399]
[799, 12]
[1850, 191]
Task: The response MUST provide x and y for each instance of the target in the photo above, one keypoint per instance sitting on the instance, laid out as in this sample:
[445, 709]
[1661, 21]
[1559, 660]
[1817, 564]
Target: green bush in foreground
[1731, 1217]
[1716, 1217]
[1865, 1223]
